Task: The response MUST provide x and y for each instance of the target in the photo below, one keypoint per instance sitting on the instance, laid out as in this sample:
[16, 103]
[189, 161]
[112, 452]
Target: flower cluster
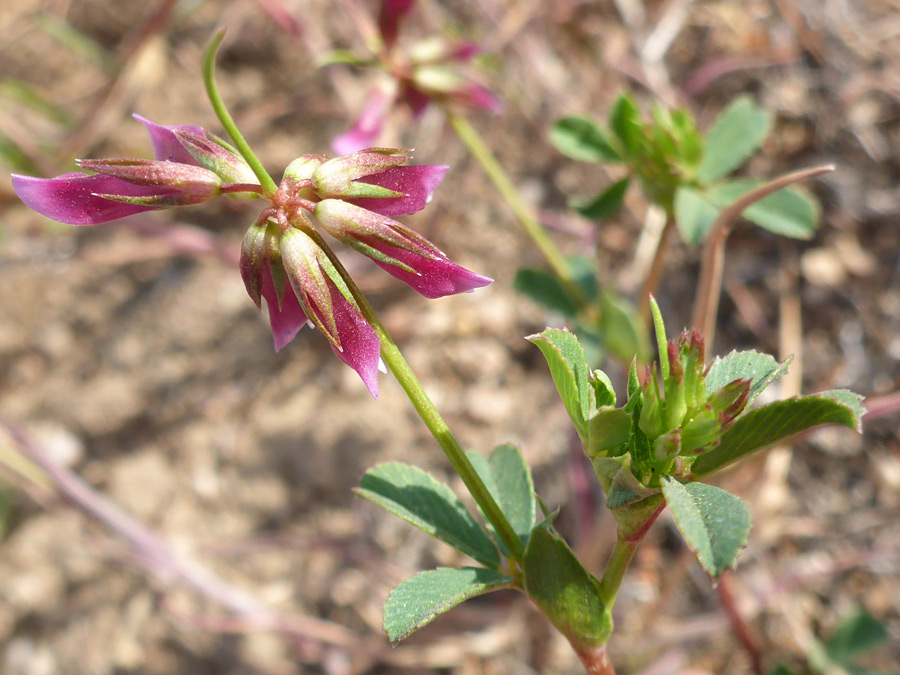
[684, 420]
[284, 259]
[425, 71]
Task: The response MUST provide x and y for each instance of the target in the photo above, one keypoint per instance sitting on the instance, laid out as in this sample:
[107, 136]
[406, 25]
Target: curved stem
[212, 91]
[533, 228]
[394, 360]
[706, 304]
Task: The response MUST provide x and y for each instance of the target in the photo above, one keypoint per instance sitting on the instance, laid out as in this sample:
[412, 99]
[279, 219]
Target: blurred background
[216, 531]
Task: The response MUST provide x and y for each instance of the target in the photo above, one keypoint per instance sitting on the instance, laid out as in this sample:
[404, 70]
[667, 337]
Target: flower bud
[338, 177]
[217, 156]
[179, 184]
[652, 421]
[702, 430]
[253, 259]
[327, 301]
[304, 167]
[729, 401]
[667, 447]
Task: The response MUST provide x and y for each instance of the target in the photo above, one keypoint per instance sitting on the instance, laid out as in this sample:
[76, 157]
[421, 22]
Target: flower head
[681, 418]
[426, 71]
[284, 260]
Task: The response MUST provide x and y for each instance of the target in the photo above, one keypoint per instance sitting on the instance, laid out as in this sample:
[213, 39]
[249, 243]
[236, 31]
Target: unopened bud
[218, 156]
[338, 177]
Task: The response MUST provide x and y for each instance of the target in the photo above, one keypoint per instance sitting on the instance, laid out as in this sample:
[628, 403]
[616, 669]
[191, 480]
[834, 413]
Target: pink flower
[427, 71]
[284, 261]
[396, 249]
[122, 187]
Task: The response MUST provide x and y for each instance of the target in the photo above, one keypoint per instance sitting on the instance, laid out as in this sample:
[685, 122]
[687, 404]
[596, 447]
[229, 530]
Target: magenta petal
[437, 276]
[287, 320]
[367, 126]
[361, 349]
[72, 198]
[464, 51]
[166, 145]
[478, 97]
[392, 13]
[416, 100]
[417, 183]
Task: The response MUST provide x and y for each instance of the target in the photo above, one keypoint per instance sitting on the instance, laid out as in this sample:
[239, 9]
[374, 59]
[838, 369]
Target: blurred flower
[424, 72]
[284, 260]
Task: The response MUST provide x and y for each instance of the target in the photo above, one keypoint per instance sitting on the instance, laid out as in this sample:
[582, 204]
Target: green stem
[394, 360]
[445, 438]
[212, 91]
[533, 228]
[618, 562]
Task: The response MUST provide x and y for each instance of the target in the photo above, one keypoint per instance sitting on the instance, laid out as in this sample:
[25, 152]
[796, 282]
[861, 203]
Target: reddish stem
[595, 660]
[738, 625]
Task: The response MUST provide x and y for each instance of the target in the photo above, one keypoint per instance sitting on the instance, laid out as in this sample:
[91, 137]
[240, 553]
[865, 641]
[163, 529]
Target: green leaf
[419, 499]
[582, 139]
[694, 215]
[791, 212]
[605, 204]
[545, 289]
[781, 670]
[859, 633]
[608, 430]
[777, 421]
[570, 373]
[623, 332]
[714, 523]
[736, 134]
[584, 274]
[563, 590]
[761, 369]
[604, 394]
[625, 122]
[591, 341]
[419, 599]
[509, 481]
